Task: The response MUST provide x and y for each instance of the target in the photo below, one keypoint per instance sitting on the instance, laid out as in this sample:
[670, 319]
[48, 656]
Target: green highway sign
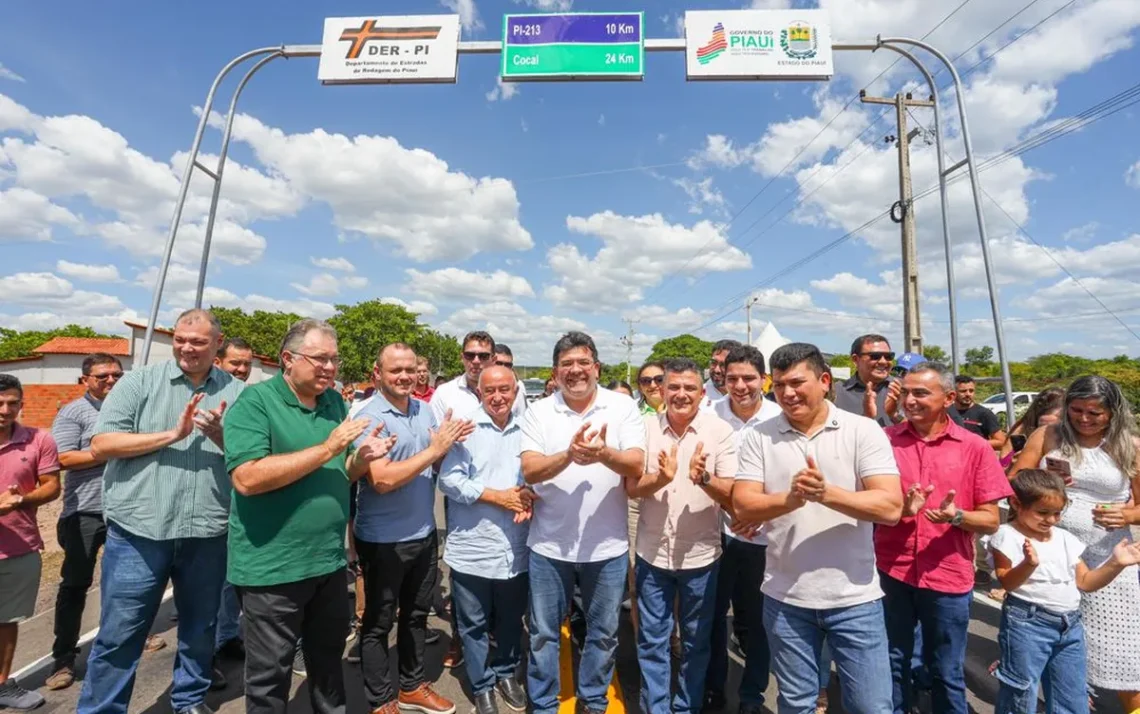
[584, 45]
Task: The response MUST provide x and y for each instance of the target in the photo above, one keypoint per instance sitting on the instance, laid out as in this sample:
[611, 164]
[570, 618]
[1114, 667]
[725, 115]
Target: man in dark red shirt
[951, 482]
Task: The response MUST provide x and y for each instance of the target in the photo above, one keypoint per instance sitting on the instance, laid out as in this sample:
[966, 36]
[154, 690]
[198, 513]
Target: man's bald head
[498, 389]
[496, 375]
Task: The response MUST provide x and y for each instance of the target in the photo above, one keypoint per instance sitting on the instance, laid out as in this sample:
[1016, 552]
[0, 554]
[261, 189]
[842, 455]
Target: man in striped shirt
[166, 498]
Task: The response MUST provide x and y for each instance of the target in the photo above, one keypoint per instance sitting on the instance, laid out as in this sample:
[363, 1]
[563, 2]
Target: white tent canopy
[769, 341]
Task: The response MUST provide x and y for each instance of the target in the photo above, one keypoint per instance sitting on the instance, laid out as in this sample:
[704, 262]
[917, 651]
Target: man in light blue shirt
[395, 535]
[487, 527]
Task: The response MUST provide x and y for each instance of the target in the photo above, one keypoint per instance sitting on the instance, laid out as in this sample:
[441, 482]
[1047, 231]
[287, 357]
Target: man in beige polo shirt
[819, 477]
[691, 461]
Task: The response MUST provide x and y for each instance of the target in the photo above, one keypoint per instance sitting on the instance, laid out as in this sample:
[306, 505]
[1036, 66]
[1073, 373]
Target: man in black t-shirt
[974, 417]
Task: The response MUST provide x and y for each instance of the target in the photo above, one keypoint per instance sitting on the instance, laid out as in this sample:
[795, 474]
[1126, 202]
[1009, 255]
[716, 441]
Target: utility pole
[902, 212]
[748, 312]
[627, 340]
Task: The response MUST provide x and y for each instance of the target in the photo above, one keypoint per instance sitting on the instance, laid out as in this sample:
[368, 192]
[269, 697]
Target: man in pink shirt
[951, 482]
[691, 464]
[29, 478]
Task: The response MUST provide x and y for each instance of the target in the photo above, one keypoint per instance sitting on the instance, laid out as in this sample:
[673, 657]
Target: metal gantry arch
[894, 44]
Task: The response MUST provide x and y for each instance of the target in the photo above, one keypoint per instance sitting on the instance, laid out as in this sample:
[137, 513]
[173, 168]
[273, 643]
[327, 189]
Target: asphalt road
[151, 693]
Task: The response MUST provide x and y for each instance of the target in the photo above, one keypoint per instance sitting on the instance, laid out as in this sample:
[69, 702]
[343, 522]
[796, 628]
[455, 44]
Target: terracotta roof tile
[85, 346]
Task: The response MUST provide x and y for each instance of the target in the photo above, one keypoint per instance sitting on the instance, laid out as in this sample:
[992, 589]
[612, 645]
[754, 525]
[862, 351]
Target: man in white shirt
[578, 447]
[819, 477]
[460, 395]
[714, 385]
[745, 549]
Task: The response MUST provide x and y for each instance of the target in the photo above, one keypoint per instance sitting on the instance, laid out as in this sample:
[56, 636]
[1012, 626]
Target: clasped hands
[588, 447]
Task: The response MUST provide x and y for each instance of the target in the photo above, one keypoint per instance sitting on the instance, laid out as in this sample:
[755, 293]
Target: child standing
[1041, 638]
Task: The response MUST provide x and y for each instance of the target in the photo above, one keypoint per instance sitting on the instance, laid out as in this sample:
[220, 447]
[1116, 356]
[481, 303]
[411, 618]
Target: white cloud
[530, 337]
[1132, 175]
[47, 292]
[637, 253]
[90, 273]
[15, 117]
[417, 306]
[26, 215]
[702, 195]
[670, 321]
[1081, 234]
[378, 188]
[457, 284]
[327, 284]
[344, 265]
[549, 5]
[6, 73]
[502, 90]
[468, 13]
[601, 120]
[718, 151]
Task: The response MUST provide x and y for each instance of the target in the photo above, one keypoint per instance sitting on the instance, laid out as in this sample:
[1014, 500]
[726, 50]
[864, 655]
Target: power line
[1088, 117]
[794, 158]
[993, 54]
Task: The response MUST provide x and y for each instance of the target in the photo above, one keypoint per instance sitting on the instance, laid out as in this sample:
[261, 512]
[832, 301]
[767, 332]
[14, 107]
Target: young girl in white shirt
[1041, 637]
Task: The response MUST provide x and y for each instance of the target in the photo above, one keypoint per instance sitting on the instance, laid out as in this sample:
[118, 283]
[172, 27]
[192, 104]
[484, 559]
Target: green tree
[934, 353]
[979, 357]
[262, 330]
[362, 329]
[611, 372]
[689, 346]
[842, 361]
[15, 344]
[444, 353]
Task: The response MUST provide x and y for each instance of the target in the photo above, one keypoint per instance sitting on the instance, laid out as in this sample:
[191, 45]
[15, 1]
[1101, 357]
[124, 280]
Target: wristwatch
[958, 518]
[706, 478]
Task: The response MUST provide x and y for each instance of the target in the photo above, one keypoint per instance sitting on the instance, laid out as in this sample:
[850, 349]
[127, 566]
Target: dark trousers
[316, 611]
[397, 577]
[738, 582]
[81, 535]
[945, 618]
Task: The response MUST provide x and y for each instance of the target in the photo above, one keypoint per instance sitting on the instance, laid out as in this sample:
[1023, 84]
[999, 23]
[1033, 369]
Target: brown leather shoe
[425, 700]
[454, 656]
[391, 707]
[62, 678]
[154, 643]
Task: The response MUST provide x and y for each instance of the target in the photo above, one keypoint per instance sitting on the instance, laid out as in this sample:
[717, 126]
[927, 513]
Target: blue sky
[535, 208]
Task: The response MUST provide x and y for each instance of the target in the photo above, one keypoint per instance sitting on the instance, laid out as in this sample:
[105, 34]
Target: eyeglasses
[477, 356]
[106, 377]
[646, 381]
[876, 356]
[504, 363]
[320, 360]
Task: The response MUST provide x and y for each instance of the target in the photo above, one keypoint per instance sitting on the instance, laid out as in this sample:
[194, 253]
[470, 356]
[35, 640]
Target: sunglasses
[876, 356]
[106, 377]
[508, 365]
[477, 356]
[646, 381]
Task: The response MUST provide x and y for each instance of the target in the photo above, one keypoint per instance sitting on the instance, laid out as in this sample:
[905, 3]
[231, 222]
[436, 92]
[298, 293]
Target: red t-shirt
[939, 556]
[424, 396]
[29, 454]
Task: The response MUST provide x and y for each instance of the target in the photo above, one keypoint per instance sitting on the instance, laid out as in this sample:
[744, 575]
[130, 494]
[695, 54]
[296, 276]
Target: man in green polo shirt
[288, 450]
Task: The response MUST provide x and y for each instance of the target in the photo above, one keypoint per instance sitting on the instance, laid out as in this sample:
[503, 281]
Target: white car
[1021, 402]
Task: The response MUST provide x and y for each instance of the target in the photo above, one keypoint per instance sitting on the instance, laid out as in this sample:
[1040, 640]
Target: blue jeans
[738, 582]
[1040, 646]
[657, 590]
[135, 573]
[480, 605]
[551, 586]
[945, 619]
[857, 637]
[229, 616]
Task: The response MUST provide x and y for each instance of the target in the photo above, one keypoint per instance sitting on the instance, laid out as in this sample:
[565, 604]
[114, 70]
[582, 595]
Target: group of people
[838, 521]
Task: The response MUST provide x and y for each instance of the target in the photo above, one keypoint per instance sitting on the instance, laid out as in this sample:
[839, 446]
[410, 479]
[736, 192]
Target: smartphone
[1061, 467]
[1018, 442]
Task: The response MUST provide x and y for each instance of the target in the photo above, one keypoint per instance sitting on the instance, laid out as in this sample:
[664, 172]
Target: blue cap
[910, 360]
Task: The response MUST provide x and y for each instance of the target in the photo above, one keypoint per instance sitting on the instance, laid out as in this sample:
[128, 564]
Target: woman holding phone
[1044, 411]
[1094, 450]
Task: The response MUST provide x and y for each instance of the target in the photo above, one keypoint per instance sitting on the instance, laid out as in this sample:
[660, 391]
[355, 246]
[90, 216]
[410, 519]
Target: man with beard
[745, 549]
[714, 387]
